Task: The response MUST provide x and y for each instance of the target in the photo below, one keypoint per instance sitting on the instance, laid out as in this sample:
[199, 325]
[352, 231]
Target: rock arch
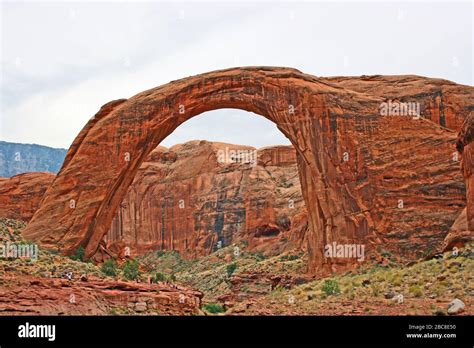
[337, 133]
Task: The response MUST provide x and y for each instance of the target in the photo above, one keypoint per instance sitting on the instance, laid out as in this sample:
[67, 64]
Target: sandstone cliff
[195, 198]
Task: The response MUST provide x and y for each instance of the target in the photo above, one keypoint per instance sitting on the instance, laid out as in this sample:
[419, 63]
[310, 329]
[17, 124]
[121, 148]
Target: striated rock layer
[366, 178]
[52, 296]
[193, 199]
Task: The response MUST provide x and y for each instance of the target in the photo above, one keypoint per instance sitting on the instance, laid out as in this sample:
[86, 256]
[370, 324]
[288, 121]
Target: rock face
[465, 146]
[195, 197]
[20, 196]
[368, 176]
[459, 234]
[462, 230]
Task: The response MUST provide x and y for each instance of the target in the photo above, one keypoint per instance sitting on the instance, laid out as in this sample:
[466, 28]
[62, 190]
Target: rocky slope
[38, 286]
[418, 288]
[22, 158]
[253, 284]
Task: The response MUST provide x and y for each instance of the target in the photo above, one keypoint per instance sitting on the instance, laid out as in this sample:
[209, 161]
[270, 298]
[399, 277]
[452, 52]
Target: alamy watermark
[334, 250]
[37, 331]
[395, 108]
[23, 251]
[243, 156]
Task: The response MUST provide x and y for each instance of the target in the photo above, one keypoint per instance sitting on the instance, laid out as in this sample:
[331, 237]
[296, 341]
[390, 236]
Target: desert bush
[79, 255]
[109, 268]
[331, 287]
[130, 270]
[415, 290]
[159, 277]
[213, 308]
[231, 269]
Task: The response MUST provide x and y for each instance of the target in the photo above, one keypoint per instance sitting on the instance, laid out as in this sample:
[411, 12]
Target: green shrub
[213, 308]
[79, 255]
[130, 270]
[330, 287]
[231, 269]
[159, 277]
[109, 268]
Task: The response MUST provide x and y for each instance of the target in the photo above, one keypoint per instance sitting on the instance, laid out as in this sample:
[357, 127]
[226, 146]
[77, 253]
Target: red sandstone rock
[229, 202]
[185, 199]
[462, 230]
[459, 234]
[465, 146]
[51, 296]
[20, 195]
[441, 101]
[356, 166]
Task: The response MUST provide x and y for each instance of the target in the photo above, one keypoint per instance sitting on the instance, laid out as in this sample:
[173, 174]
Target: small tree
[109, 268]
[130, 270]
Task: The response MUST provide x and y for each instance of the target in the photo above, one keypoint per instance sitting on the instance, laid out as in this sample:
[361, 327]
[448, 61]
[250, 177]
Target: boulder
[456, 306]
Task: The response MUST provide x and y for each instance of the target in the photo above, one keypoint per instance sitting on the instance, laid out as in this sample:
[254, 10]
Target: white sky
[61, 61]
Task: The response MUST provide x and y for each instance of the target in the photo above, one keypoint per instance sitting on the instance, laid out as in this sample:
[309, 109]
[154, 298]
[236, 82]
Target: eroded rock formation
[462, 230]
[465, 146]
[366, 178]
[193, 199]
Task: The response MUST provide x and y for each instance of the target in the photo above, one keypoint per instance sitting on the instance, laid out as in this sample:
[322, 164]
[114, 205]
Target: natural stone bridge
[366, 178]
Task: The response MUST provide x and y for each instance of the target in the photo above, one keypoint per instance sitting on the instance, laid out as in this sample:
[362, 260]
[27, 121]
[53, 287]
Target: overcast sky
[61, 61]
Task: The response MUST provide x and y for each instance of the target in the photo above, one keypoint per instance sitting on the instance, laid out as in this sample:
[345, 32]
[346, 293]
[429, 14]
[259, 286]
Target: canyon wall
[195, 198]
